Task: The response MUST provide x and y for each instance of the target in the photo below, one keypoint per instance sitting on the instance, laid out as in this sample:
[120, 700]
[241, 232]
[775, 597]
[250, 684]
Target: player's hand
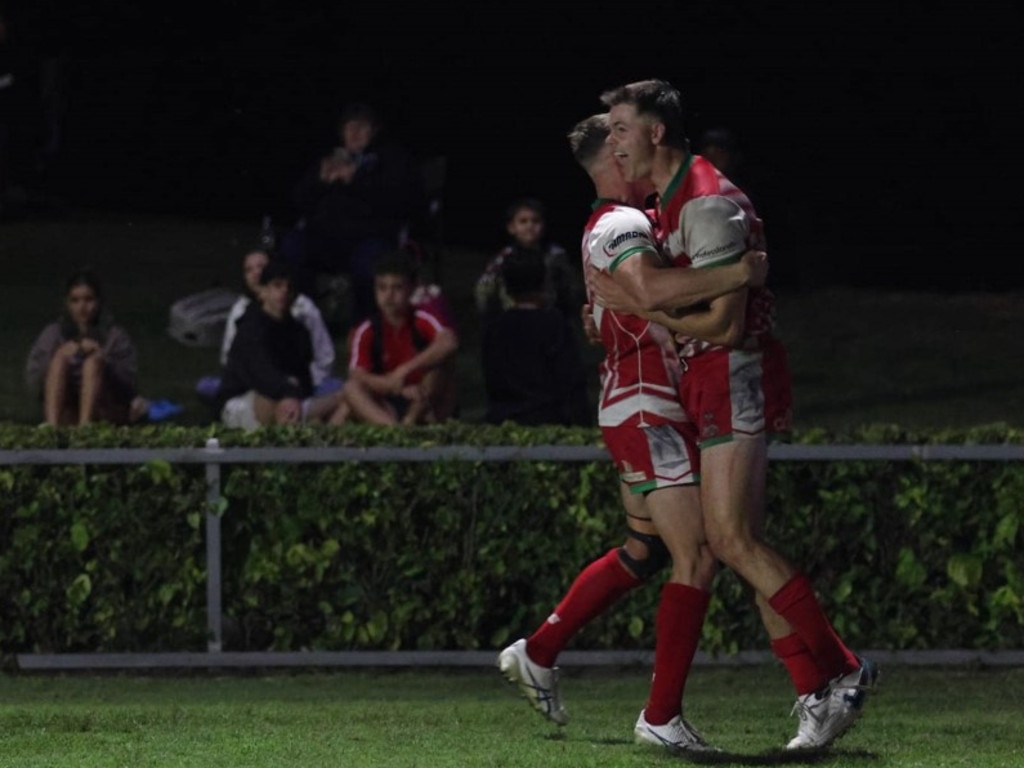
[757, 263]
[590, 330]
[608, 293]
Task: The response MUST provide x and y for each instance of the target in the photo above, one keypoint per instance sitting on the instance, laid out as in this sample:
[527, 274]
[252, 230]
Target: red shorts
[730, 393]
[653, 457]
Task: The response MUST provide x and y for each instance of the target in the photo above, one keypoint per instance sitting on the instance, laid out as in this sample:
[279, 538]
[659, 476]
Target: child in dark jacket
[267, 375]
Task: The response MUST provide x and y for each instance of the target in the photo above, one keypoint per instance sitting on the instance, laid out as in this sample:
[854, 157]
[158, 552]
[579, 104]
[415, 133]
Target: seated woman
[83, 367]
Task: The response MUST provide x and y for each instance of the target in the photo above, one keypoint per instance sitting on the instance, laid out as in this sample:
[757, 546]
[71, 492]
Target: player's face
[252, 267]
[392, 293]
[527, 227]
[83, 306]
[631, 141]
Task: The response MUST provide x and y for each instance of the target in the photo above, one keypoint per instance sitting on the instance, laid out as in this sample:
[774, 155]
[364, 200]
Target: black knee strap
[657, 555]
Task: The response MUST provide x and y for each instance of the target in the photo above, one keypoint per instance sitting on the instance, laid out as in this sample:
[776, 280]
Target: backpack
[198, 320]
[430, 297]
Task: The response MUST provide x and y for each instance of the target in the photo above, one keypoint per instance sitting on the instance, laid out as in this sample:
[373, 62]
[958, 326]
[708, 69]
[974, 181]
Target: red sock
[598, 586]
[796, 603]
[796, 657]
[680, 618]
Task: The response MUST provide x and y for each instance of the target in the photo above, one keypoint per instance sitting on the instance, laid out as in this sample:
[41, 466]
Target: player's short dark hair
[654, 97]
[587, 138]
[523, 272]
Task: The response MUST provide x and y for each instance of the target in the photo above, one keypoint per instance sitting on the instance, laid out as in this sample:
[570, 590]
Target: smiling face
[633, 139]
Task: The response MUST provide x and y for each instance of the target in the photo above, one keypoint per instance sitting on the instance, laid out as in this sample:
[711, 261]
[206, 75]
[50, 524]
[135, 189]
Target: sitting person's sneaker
[830, 713]
[538, 684]
[677, 735]
[161, 410]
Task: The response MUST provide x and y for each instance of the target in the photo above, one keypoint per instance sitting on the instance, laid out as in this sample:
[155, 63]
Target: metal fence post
[213, 552]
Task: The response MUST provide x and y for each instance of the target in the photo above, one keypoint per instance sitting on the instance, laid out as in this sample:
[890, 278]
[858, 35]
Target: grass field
[916, 359]
[921, 717]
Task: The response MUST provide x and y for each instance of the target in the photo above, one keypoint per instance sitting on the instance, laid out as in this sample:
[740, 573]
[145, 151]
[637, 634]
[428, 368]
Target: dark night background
[880, 142]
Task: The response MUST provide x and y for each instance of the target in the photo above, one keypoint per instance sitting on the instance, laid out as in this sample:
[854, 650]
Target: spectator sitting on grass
[267, 377]
[303, 309]
[532, 366]
[397, 370]
[83, 367]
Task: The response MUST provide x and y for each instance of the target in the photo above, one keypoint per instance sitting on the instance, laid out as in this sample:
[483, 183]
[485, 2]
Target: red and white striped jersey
[640, 371]
[706, 220]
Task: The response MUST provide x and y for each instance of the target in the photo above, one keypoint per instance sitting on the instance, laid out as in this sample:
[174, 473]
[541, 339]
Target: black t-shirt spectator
[269, 356]
[533, 369]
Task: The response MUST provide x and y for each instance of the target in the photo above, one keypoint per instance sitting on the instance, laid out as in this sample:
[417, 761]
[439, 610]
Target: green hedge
[467, 555]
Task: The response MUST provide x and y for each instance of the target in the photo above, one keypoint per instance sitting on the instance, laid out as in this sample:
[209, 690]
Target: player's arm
[715, 229]
[590, 330]
[641, 285]
[721, 322]
[653, 287]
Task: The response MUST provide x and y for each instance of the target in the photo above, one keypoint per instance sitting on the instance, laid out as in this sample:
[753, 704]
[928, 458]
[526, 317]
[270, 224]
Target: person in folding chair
[354, 204]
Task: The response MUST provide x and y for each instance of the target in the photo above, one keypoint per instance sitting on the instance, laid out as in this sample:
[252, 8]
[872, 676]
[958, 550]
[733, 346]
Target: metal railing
[213, 456]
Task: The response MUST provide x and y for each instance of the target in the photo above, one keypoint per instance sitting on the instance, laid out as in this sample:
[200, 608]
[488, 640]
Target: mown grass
[858, 356]
[926, 717]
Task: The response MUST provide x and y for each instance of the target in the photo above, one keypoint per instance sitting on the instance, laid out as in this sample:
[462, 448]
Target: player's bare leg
[733, 479]
[676, 513]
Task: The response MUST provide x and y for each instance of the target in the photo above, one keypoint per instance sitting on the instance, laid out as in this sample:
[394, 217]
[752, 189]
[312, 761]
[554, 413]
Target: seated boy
[267, 377]
[532, 365]
[399, 369]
